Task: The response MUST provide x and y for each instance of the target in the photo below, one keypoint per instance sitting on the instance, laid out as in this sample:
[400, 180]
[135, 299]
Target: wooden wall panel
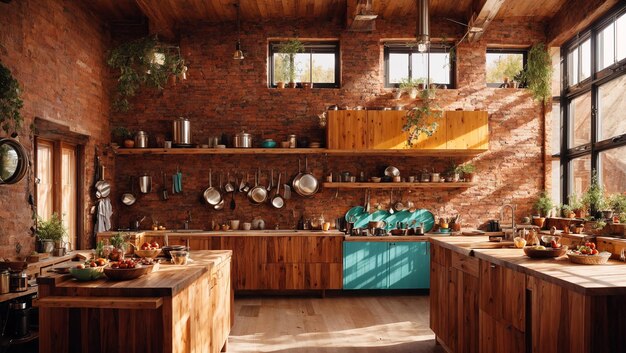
[384, 129]
[438, 139]
[467, 129]
[346, 129]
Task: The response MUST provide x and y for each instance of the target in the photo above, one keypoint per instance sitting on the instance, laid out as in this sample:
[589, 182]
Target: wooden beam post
[484, 13]
[573, 17]
[158, 20]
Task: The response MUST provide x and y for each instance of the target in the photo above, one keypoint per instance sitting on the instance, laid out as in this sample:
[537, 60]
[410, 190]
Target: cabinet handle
[492, 266]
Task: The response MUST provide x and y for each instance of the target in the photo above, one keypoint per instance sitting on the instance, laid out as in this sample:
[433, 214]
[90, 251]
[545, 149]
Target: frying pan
[103, 188]
[277, 201]
[305, 183]
[258, 194]
[212, 195]
[129, 198]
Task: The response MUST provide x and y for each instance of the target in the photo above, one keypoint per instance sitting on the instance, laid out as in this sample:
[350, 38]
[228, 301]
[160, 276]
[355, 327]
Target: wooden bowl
[544, 254]
[148, 253]
[124, 274]
[599, 259]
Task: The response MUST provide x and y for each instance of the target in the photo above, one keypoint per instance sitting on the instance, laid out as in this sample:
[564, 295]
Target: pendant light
[423, 26]
[238, 54]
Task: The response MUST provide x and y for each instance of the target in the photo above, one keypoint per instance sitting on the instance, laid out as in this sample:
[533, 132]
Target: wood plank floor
[364, 324]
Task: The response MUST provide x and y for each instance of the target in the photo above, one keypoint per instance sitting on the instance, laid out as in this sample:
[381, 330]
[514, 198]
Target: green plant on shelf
[543, 205]
[422, 119]
[51, 229]
[119, 240]
[593, 199]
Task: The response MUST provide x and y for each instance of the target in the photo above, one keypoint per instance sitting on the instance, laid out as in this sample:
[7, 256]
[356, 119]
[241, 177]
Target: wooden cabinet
[383, 130]
[221, 307]
[386, 265]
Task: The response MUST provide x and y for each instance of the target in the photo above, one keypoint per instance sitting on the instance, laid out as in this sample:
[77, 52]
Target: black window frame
[406, 49]
[496, 50]
[589, 85]
[310, 47]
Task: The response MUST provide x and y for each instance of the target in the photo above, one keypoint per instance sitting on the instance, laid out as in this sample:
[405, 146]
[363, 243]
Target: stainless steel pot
[181, 128]
[141, 139]
[145, 184]
[242, 140]
[18, 282]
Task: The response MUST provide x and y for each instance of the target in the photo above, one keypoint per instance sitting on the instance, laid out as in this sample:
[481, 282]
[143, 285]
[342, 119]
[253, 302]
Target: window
[503, 63]
[319, 64]
[403, 62]
[593, 124]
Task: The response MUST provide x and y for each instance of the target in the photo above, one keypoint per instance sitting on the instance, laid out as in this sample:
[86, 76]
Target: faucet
[186, 222]
[512, 207]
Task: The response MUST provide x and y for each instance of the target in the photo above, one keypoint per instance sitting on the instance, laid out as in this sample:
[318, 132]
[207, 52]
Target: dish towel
[103, 215]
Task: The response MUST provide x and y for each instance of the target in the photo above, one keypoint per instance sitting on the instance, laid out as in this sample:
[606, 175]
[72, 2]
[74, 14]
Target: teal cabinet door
[365, 265]
[423, 265]
[409, 265]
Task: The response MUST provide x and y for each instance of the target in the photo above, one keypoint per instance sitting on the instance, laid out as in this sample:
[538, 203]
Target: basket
[598, 259]
[543, 254]
[152, 253]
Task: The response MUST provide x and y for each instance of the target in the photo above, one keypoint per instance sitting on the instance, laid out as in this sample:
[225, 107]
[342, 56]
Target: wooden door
[467, 287]
[346, 129]
[365, 265]
[385, 129]
[467, 130]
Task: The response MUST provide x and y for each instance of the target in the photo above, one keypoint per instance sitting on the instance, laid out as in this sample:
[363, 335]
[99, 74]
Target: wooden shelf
[398, 185]
[297, 151]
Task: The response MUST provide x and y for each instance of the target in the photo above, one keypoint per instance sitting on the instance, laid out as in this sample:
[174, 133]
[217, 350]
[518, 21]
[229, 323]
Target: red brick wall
[55, 49]
[225, 96]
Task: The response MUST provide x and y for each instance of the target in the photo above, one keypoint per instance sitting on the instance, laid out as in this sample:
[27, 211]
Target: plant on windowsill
[617, 204]
[567, 211]
[593, 198]
[421, 119]
[543, 206]
[10, 102]
[412, 86]
[290, 48]
[537, 75]
[124, 135]
[577, 205]
[143, 62]
[50, 233]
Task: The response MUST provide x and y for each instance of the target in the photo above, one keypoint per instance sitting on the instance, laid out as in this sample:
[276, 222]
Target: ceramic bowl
[87, 273]
[269, 143]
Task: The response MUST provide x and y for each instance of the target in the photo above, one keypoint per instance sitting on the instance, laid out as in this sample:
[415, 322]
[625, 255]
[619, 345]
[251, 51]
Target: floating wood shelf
[309, 151]
[398, 185]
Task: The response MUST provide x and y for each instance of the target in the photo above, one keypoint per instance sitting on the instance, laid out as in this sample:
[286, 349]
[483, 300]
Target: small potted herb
[118, 241]
[576, 205]
[468, 171]
[593, 198]
[412, 86]
[290, 49]
[567, 212]
[617, 203]
[543, 206]
[124, 135]
[453, 173]
[50, 233]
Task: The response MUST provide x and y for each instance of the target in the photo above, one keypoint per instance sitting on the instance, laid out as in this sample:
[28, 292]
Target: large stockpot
[181, 129]
[242, 140]
[141, 139]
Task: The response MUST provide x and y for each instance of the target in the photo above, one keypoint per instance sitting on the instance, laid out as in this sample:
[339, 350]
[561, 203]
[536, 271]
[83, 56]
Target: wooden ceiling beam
[158, 21]
[573, 17]
[484, 12]
[355, 20]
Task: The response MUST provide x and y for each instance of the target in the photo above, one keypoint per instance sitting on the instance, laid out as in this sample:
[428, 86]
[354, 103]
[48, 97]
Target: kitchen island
[174, 309]
[497, 300]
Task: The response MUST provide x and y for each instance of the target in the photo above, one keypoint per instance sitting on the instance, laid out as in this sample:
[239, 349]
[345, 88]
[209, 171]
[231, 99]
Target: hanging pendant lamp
[423, 26]
[238, 54]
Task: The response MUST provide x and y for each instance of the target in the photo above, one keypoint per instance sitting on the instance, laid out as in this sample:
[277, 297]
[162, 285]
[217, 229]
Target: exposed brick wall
[55, 49]
[225, 96]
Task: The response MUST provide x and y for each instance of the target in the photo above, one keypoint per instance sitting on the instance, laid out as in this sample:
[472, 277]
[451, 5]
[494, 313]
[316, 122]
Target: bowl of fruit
[552, 249]
[150, 250]
[88, 271]
[126, 269]
[587, 254]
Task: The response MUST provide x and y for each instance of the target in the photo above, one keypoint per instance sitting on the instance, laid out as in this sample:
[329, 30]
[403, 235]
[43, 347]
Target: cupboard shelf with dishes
[405, 185]
[300, 151]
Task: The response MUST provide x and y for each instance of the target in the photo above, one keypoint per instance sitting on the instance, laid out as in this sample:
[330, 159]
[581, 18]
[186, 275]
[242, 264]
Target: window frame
[402, 48]
[591, 84]
[310, 47]
[496, 50]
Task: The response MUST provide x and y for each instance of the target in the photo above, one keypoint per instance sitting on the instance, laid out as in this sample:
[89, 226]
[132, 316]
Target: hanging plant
[537, 74]
[10, 101]
[143, 62]
[422, 118]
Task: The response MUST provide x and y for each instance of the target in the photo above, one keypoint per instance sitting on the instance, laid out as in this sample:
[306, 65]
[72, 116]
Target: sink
[189, 230]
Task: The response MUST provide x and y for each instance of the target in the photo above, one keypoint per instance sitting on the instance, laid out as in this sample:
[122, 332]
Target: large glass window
[579, 63]
[403, 63]
[613, 169]
[503, 64]
[612, 108]
[318, 64]
[580, 120]
[580, 174]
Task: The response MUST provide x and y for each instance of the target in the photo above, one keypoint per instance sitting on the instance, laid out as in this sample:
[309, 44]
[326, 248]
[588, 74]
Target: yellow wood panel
[346, 129]
[384, 129]
[467, 129]
[438, 139]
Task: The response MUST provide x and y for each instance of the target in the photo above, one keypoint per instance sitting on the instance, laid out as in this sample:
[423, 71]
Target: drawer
[467, 264]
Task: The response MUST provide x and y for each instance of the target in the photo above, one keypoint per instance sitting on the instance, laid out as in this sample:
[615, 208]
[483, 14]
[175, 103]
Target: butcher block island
[177, 308]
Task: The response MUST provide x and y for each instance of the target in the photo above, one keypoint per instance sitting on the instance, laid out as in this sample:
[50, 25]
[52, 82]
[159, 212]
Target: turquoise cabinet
[386, 265]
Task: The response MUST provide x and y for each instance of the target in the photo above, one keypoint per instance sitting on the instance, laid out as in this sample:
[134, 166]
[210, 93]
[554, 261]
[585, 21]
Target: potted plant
[468, 170]
[50, 233]
[567, 212]
[537, 74]
[417, 118]
[124, 135]
[543, 205]
[576, 205]
[593, 199]
[10, 101]
[290, 48]
[118, 241]
[412, 86]
[617, 203]
[453, 172]
[143, 62]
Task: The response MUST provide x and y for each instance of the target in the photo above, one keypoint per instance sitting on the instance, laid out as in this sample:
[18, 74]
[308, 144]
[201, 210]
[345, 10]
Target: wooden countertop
[167, 281]
[609, 279]
[236, 233]
[393, 238]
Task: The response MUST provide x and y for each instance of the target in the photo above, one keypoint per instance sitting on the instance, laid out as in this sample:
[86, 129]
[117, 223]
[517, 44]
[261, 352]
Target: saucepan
[305, 183]
[145, 184]
[129, 198]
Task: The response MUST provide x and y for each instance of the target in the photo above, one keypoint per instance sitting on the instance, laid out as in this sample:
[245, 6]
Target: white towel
[103, 215]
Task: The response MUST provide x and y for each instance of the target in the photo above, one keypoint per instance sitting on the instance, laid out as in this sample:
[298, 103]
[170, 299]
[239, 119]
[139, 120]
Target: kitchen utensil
[306, 184]
[293, 141]
[124, 274]
[422, 216]
[145, 184]
[228, 187]
[271, 183]
[164, 195]
[268, 143]
[181, 132]
[103, 188]
[246, 186]
[212, 195]
[367, 204]
[180, 257]
[258, 194]
[391, 210]
[129, 198]
[372, 225]
[179, 179]
[243, 183]
[286, 189]
[169, 248]
[141, 139]
[220, 205]
[277, 201]
[247, 226]
[546, 253]
[392, 171]
[242, 140]
[233, 205]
